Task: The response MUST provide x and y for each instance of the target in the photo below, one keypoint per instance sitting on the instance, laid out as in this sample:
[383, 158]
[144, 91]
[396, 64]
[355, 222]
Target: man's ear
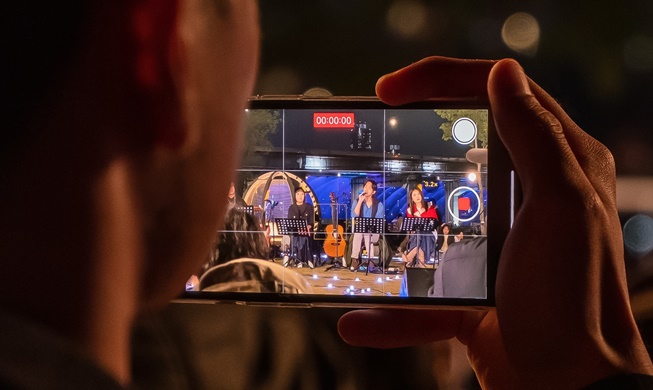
[154, 25]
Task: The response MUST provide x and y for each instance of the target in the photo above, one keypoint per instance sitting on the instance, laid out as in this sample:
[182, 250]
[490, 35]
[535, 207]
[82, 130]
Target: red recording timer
[333, 120]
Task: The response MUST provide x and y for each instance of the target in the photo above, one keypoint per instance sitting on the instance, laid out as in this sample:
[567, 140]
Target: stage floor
[342, 281]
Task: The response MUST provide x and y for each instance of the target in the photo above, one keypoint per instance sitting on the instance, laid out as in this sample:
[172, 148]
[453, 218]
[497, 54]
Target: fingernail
[514, 79]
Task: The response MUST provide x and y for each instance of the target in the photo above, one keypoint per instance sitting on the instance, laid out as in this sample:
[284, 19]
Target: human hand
[562, 317]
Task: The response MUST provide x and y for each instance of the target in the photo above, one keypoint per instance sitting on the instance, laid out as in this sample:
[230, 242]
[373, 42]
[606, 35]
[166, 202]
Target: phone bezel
[500, 185]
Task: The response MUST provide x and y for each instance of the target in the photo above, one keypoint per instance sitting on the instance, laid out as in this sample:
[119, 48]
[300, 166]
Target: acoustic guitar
[334, 244]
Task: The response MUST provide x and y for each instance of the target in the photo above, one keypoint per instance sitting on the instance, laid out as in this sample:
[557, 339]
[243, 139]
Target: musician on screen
[302, 210]
[367, 206]
[421, 244]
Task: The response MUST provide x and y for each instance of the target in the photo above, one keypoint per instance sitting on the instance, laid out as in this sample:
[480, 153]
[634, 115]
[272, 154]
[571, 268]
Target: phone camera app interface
[357, 202]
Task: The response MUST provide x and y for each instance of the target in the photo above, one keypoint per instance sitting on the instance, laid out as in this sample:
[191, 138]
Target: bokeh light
[521, 33]
[280, 80]
[638, 53]
[407, 18]
[638, 235]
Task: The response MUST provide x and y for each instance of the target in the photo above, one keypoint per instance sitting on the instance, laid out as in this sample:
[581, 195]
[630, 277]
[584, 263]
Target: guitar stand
[336, 263]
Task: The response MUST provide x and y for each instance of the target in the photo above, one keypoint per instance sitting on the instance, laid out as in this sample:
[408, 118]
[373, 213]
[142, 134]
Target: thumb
[534, 137]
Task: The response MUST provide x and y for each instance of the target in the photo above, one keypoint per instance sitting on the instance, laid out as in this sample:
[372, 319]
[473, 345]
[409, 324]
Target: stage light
[396, 276]
[329, 285]
[369, 289]
[335, 277]
[379, 280]
[471, 176]
[314, 276]
[357, 280]
[352, 287]
[392, 122]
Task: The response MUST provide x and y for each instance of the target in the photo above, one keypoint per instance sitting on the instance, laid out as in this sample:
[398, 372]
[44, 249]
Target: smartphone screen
[349, 202]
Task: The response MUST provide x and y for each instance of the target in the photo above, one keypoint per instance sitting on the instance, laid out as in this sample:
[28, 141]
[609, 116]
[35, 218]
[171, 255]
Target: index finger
[436, 77]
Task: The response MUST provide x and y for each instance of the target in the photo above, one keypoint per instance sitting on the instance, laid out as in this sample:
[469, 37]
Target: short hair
[298, 189]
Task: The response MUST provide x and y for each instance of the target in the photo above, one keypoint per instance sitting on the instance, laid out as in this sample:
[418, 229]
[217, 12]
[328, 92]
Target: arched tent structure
[273, 193]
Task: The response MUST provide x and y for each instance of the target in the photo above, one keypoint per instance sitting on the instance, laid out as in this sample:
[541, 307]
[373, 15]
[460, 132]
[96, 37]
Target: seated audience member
[253, 275]
[241, 264]
[462, 271]
[233, 200]
[445, 238]
[241, 237]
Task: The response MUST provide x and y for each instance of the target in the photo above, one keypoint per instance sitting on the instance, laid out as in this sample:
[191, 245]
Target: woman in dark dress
[302, 244]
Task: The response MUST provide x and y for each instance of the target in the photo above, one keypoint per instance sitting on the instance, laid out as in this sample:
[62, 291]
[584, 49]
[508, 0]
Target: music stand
[292, 227]
[369, 226]
[418, 225]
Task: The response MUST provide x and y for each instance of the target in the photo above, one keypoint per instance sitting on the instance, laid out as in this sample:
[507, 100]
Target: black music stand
[419, 226]
[292, 227]
[369, 226]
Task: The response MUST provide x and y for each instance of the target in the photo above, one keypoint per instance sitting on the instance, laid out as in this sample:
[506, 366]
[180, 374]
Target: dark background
[595, 58]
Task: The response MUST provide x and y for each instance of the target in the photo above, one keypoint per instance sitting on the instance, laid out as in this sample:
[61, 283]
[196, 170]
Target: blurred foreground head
[120, 133]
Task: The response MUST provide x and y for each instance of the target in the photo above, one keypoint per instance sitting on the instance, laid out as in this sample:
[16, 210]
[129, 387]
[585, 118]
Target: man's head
[370, 187]
[213, 53]
[135, 127]
[119, 157]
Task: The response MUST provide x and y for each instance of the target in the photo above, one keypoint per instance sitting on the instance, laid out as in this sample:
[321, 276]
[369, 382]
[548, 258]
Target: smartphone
[349, 202]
